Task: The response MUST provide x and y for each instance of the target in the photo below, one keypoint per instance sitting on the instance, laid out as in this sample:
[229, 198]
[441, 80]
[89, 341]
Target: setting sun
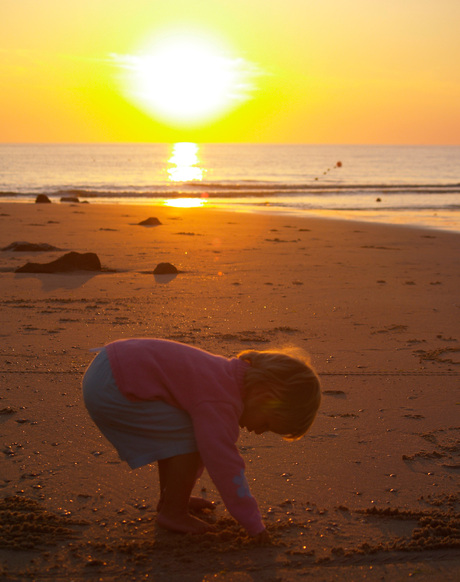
[287, 71]
[185, 78]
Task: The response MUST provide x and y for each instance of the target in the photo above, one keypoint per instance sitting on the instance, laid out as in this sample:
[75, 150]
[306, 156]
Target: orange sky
[329, 71]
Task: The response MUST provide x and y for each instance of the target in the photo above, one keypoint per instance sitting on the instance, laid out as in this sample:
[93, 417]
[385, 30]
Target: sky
[257, 71]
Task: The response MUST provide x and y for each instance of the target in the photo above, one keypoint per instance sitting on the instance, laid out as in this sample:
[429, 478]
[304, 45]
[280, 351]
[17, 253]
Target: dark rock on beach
[24, 247]
[69, 262]
[165, 269]
[152, 221]
[69, 199]
[42, 199]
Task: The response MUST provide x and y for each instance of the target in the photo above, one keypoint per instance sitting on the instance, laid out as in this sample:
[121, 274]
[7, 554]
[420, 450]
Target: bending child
[159, 400]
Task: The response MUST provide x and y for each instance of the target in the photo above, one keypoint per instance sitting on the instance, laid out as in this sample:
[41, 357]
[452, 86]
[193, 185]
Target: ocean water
[412, 185]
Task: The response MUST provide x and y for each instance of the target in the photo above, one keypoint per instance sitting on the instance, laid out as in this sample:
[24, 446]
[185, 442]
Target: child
[159, 400]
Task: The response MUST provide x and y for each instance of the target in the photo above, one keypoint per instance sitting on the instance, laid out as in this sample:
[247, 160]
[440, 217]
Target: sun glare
[186, 79]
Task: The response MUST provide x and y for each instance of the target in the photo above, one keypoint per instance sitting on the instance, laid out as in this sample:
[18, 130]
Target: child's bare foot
[194, 504]
[185, 523]
[199, 504]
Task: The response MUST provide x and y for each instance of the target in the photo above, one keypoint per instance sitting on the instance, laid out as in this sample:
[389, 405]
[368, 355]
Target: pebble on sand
[42, 199]
[69, 199]
[165, 269]
[152, 221]
[25, 247]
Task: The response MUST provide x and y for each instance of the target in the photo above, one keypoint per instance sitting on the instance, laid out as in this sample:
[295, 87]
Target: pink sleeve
[216, 432]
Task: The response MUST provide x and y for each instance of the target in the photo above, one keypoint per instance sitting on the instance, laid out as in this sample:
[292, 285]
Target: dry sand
[371, 493]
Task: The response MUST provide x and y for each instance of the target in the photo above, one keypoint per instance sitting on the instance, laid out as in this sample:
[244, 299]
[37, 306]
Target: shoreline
[375, 305]
[446, 221]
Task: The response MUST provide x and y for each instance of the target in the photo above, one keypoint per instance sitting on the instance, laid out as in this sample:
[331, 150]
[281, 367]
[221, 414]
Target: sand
[372, 491]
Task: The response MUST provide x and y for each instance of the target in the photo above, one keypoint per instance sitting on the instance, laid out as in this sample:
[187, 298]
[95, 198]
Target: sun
[186, 78]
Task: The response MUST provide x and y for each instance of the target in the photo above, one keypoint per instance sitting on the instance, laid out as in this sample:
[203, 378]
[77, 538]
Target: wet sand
[372, 491]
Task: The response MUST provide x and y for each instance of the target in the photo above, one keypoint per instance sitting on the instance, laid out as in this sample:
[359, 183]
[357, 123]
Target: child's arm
[216, 432]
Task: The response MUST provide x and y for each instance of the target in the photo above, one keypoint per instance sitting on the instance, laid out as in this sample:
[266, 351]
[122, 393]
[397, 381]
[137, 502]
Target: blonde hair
[291, 384]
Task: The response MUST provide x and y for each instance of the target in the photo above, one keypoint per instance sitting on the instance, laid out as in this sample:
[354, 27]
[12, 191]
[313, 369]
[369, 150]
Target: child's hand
[262, 538]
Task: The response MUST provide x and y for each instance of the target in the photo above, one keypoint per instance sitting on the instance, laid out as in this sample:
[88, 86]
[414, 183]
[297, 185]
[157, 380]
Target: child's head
[282, 392]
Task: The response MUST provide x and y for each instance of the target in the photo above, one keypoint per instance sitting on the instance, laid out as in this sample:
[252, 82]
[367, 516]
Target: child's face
[255, 419]
[258, 417]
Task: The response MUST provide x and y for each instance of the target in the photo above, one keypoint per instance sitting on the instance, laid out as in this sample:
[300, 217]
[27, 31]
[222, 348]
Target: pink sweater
[209, 388]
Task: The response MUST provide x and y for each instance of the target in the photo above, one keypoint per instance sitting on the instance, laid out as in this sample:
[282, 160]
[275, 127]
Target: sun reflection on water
[185, 202]
[184, 163]
[184, 167]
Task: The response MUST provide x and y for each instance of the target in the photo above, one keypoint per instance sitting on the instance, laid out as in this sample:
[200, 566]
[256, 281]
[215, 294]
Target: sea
[405, 185]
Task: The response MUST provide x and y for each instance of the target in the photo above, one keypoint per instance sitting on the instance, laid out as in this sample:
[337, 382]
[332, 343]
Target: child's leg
[177, 479]
[194, 503]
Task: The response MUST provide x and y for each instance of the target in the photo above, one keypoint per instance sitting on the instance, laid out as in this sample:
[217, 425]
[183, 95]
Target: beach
[370, 493]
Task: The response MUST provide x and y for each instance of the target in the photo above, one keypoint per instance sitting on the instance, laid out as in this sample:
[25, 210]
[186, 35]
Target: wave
[237, 190]
[309, 187]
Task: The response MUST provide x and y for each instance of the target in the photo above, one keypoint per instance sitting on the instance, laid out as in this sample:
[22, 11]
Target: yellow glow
[185, 202]
[184, 163]
[185, 78]
[332, 72]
